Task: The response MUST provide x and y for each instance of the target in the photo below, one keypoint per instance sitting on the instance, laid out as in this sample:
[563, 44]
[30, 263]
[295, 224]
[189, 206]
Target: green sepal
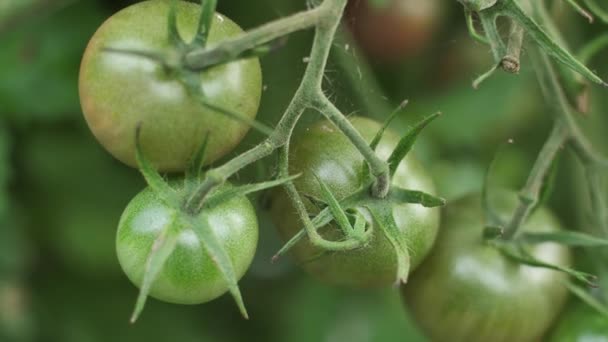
[517, 253]
[222, 196]
[336, 210]
[376, 140]
[258, 126]
[387, 123]
[597, 10]
[400, 196]
[220, 257]
[405, 144]
[161, 250]
[471, 28]
[514, 11]
[488, 22]
[588, 299]
[360, 224]
[362, 198]
[173, 34]
[204, 23]
[193, 84]
[195, 167]
[580, 10]
[491, 217]
[317, 202]
[383, 217]
[566, 238]
[155, 181]
[323, 218]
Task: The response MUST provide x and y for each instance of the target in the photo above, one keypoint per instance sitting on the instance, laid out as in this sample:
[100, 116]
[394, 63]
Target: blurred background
[61, 194]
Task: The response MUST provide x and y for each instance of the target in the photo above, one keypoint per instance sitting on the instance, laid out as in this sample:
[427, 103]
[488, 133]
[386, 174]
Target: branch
[530, 194]
[202, 58]
[326, 17]
[565, 129]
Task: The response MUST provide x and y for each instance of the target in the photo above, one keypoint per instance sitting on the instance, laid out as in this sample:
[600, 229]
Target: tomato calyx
[186, 218]
[358, 236]
[362, 205]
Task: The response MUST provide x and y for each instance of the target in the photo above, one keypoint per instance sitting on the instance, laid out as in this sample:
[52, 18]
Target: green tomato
[467, 290]
[118, 91]
[581, 323]
[189, 276]
[325, 151]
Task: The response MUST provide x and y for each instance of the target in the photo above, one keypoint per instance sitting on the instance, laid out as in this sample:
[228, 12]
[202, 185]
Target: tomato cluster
[123, 87]
[138, 99]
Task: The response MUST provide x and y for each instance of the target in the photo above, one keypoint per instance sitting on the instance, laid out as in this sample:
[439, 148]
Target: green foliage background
[61, 194]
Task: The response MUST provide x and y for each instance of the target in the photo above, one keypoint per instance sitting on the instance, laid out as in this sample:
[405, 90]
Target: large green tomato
[118, 91]
[326, 151]
[581, 323]
[189, 276]
[467, 290]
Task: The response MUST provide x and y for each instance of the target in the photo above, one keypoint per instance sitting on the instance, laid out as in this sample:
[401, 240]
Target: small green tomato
[189, 275]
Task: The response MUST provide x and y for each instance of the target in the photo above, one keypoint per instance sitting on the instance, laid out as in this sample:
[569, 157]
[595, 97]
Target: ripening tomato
[189, 276]
[118, 91]
[467, 290]
[325, 151]
[392, 30]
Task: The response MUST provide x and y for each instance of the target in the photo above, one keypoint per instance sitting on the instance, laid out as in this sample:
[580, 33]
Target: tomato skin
[119, 91]
[325, 151]
[467, 290]
[581, 323]
[189, 276]
[398, 30]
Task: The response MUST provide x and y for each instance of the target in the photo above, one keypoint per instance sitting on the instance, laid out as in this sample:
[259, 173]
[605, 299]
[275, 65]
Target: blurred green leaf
[40, 60]
[74, 193]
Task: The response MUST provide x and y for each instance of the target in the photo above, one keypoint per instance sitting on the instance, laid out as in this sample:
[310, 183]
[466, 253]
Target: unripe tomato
[189, 276]
[467, 290]
[118, 91]
[581, 323]
[392, 30]
[325, 151]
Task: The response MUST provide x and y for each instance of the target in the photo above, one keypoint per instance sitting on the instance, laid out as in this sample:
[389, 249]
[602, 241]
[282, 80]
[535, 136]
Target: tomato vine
[204, 190]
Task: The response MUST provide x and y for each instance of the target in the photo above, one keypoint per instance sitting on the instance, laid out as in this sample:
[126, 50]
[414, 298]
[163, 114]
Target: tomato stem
[326, 18]
[204, 23]
[378, 167]
[530, 194]
[201, 58]
[566, 129]
[510, 62]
